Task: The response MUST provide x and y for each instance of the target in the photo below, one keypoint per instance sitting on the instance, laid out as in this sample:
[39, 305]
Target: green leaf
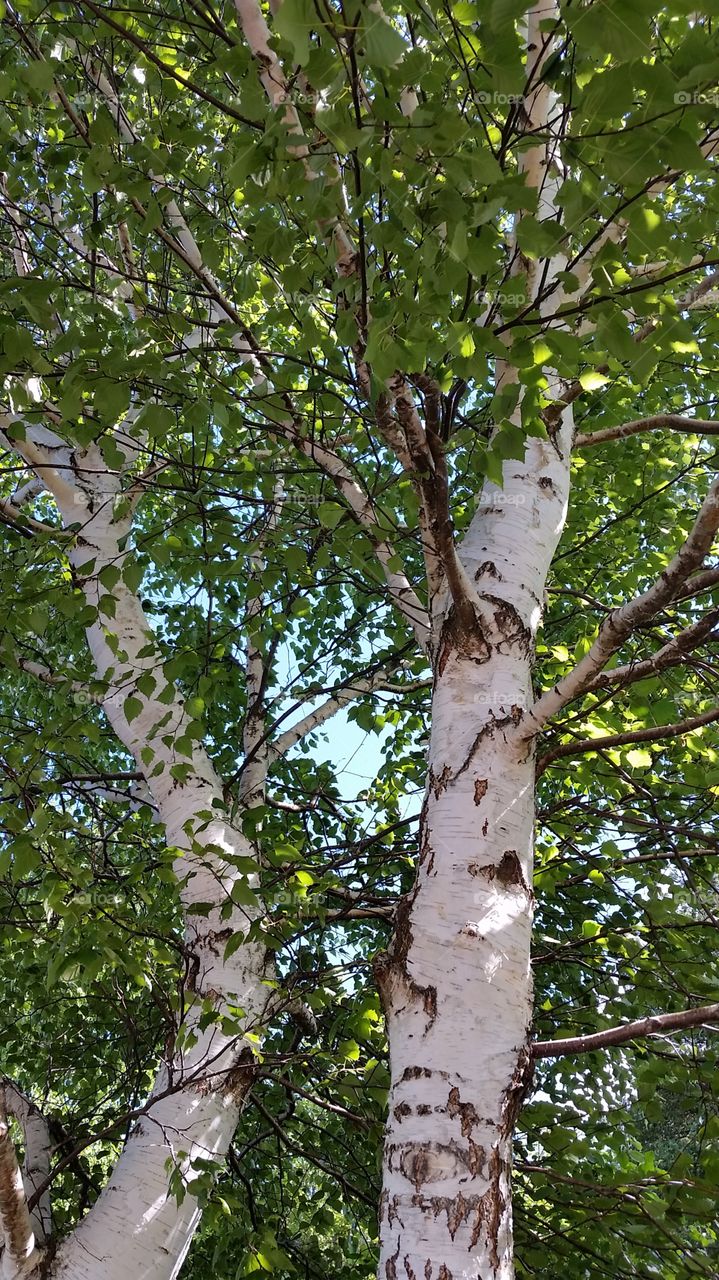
[132, 707]
[383, 45]
[591, 380]
[294, 21]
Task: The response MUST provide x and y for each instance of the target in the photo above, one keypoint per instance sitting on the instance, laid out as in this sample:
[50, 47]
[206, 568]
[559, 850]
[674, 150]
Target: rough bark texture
[457, 986]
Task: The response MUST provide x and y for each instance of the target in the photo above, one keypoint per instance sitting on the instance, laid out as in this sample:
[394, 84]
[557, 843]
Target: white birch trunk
[137, 1227]
[456, 984]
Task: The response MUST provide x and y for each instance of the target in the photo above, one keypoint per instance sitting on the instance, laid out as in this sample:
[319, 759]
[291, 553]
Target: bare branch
[349, 692]
[25, 524]
[691, 426]
[54, 678]
[655, 734]
[697, 584]
[660, 1024]
[670, 655]
[277, 88]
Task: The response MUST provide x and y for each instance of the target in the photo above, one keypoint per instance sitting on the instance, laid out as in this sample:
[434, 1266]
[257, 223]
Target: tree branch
[618, 626]
[656, 734]
[348, 692]
[691, 426]
[670, 655]
[24, 524]
[38, 1148]
[654, 1026]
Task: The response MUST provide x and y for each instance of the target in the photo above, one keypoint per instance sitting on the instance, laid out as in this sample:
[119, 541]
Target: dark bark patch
[240, 1078]
[409, 1269]
[392, 1211]
[220, 937]
[429, 1000]
[517, 1090]
[444, 1272]
[416, 1073]
[401, 1110]
[426, 851]
[424, 1109]
[416, 1167]
[435, 1162]
[546, 484]
[463, 637]
[390, 967]
[490, 1209]
[390, 1266]
[509, 623]
[508, 871]
[485, 827]
[480, 789]
[490, 568]
[458, 1208]
[497, 1205]
[439, 782]
[443, 658]
[465, 1110]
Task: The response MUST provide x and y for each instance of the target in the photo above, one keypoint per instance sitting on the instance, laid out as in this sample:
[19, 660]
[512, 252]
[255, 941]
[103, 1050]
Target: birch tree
[358, 375]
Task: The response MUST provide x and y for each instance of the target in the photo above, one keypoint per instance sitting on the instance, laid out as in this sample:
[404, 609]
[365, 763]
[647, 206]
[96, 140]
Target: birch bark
[456, 983]
[138, 1226]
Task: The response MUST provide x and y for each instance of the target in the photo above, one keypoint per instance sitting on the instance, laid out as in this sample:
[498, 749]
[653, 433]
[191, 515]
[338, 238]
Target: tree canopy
[244, 252]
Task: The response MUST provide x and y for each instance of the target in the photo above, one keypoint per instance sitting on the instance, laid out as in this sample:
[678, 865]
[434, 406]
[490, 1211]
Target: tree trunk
[457, 985]
[140, 1226]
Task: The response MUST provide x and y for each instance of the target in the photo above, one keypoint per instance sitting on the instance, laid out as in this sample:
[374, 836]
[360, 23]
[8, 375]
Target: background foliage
[618, 1155]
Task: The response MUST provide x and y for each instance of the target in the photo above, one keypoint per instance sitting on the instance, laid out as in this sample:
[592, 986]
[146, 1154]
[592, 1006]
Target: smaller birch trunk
[142, 1223]
[19, 1256]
